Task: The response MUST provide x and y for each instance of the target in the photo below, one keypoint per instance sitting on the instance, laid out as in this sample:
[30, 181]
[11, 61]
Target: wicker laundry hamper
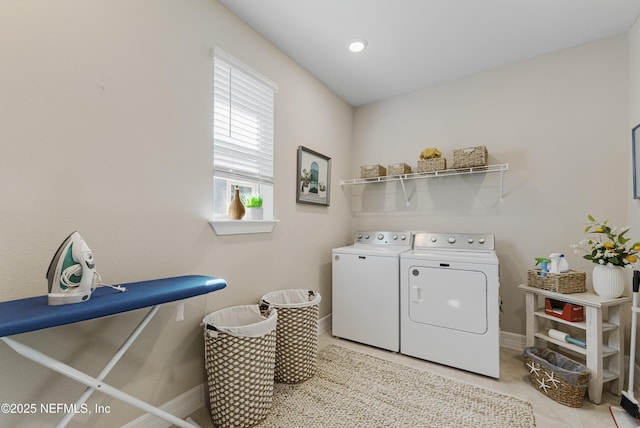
[297, 333]
[240, 350]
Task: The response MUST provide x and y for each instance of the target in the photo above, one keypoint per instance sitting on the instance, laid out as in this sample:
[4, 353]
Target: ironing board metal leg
[125, 346]
[92, 382]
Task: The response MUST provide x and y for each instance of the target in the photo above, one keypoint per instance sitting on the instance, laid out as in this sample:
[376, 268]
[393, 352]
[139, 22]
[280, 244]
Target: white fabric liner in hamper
[243, 321]
[290, 299]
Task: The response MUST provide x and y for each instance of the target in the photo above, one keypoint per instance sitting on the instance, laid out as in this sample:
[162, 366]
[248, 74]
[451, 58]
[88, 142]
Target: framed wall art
[314, 177]
[635, 156]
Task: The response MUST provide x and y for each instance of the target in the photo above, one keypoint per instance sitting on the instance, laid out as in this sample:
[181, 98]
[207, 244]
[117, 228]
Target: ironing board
[31, 314]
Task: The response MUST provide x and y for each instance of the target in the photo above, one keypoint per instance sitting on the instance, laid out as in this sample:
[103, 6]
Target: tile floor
[514, 381]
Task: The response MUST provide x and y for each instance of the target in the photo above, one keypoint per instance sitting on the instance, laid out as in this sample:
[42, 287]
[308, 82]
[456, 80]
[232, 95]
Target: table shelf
[604, 353]
[606, 326]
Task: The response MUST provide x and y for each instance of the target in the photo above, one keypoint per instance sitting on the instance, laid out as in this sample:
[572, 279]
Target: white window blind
[243, 121]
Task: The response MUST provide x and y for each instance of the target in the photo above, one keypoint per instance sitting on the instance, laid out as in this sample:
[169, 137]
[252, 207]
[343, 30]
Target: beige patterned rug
[352, 389]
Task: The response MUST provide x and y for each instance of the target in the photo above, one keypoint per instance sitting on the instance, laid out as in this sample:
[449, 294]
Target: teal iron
[71, 274]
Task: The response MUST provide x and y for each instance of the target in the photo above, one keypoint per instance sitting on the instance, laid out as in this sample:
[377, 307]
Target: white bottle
[555, 262]
[563, 265]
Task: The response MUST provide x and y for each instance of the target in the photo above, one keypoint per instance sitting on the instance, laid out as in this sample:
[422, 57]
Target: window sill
[239, 227]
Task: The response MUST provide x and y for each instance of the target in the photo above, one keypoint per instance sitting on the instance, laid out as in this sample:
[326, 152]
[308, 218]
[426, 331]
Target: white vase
[609, 281]
[254, 213]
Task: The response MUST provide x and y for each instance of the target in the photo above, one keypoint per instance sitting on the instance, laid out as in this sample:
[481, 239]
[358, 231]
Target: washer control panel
[384, 238]
[456, 241]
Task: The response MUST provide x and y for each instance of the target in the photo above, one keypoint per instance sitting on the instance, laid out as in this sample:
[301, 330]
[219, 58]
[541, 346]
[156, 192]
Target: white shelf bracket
[404, 190]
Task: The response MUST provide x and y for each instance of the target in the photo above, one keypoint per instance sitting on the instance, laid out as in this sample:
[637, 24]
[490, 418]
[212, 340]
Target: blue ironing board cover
[34, 313]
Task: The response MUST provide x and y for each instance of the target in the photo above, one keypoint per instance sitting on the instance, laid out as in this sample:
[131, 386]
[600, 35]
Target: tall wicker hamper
[297, 333]
[240, 350]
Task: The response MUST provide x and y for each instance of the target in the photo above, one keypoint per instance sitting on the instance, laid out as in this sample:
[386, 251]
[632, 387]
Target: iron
[71, 274]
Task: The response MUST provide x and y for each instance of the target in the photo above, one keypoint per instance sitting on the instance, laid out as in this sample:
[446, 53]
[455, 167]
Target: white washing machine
[366, 288]
[450, 303]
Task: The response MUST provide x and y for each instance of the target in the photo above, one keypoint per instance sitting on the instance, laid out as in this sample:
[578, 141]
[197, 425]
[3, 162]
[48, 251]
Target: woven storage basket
[470, 157]
[557, 376]
[398, 169]
[371, 171]
[297, 333]
[428, 165]
[566, 283]
[240, 360]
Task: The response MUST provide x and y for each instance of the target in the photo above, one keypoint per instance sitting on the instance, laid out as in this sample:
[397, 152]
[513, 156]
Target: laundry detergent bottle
[555, 263]
[563, 265]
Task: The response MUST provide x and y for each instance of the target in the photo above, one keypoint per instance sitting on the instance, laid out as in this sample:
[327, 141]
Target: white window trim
[240, 227]
[224, 226]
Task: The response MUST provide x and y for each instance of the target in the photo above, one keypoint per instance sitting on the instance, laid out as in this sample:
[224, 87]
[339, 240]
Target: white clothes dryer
[450, 303]
[366, 288]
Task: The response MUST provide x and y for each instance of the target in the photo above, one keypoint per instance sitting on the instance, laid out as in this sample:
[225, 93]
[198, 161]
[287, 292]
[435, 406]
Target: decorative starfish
[543, 385]
[533, 368]
[553, 380]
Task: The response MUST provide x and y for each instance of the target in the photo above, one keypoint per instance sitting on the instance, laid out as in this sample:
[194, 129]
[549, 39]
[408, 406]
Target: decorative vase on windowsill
[608, 250]
[236, 209]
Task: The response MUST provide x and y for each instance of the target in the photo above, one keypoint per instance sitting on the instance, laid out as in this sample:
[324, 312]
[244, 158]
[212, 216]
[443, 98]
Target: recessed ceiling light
[357, 46]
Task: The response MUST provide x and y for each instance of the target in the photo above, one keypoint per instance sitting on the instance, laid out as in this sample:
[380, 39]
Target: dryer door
[448, 298]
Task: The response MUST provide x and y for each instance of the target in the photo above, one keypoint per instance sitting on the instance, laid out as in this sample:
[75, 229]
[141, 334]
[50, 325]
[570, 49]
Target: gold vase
[236, 209]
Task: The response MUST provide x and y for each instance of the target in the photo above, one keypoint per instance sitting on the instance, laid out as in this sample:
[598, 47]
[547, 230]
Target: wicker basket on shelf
[566, 283]
[429, 165]
[559, 377]
[470, 157]
[398, 169]
[372, 171]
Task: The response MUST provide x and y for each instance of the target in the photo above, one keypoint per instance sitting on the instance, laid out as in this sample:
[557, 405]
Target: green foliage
[607, 245]
[252, 200]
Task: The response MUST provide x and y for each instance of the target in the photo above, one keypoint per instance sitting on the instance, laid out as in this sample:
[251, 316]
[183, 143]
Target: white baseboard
[182, 406]
[512, 341]
[324, 324]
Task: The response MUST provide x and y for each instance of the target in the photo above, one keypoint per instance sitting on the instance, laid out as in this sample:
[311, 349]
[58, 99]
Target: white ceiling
[414, 44]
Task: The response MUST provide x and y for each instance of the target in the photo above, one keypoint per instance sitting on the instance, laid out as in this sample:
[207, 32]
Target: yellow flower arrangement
[608, 246]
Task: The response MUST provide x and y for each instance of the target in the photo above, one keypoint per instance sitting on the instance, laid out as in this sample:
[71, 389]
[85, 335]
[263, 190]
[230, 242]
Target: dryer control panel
[455, 241]
[377, 237]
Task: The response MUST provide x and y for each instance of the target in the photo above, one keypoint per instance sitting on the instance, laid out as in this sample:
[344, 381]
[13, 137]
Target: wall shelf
[501, 168]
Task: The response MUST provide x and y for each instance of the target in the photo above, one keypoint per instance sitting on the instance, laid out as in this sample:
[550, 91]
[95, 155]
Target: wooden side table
[604, 353]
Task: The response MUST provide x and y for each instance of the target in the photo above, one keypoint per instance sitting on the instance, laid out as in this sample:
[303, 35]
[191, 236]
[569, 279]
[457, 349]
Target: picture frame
[635, 156]
[313, 179]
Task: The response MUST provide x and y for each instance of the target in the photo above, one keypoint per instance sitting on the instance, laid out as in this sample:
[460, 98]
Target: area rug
[352, 389]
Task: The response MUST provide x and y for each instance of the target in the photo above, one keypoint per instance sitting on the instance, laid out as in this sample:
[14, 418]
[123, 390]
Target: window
[243, 123]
